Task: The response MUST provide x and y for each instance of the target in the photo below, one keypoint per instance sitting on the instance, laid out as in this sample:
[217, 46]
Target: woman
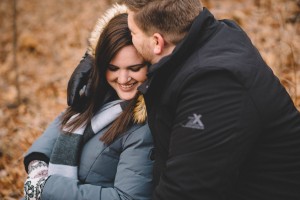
[102, 151]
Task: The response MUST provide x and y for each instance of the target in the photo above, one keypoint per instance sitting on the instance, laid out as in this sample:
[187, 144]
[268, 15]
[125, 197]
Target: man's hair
[171, 18]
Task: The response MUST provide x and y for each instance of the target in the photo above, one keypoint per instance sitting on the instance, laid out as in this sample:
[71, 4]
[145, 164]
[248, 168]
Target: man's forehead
[130, 15]
[131, 22]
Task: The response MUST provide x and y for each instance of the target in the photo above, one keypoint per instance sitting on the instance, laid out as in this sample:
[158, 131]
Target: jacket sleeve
[214, 126]
[41, 149]
[132, 181]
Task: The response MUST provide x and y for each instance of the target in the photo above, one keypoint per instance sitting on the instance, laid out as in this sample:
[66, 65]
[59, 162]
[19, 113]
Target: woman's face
[126, 71]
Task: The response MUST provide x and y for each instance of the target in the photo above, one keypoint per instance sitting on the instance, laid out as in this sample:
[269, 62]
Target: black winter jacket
[223, 125]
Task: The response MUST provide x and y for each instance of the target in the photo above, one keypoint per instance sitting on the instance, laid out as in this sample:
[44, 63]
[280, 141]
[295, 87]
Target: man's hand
[78, 84]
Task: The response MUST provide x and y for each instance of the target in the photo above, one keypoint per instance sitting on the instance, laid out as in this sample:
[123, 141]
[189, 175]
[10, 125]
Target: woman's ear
[159, 44]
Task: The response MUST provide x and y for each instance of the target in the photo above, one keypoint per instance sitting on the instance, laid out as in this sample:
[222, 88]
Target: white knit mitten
[37, 176]
[33, 188]
[37, 169]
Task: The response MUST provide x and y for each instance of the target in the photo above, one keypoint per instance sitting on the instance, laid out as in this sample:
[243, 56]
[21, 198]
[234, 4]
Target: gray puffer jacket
[121, 170]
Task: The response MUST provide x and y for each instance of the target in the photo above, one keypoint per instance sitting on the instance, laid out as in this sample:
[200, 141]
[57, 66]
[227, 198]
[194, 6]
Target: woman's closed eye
[112, 68]
[136, 68]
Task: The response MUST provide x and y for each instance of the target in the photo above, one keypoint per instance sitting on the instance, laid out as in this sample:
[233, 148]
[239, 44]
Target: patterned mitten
[37, 176]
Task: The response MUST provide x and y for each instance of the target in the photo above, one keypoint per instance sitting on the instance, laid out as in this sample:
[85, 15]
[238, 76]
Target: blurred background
[41, 42]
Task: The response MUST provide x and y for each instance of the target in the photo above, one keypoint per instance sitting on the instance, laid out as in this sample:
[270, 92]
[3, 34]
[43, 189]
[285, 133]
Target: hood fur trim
[140, 112]
[115, 10]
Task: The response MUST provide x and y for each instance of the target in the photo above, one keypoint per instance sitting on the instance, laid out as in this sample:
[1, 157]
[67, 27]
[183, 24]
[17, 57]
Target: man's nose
[123, 77]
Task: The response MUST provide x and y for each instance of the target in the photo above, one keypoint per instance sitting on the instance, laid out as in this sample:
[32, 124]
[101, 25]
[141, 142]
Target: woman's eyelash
[135, 69]
[112, 68]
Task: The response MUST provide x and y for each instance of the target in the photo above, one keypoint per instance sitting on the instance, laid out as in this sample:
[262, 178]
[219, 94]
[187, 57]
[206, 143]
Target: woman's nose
[123, 77]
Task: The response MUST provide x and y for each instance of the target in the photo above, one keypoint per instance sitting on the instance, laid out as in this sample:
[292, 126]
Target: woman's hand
[33, 188]
[37, 176]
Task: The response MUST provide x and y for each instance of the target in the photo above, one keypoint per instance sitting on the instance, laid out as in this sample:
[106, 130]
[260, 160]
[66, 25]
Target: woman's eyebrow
[135, 65]
[113, 65]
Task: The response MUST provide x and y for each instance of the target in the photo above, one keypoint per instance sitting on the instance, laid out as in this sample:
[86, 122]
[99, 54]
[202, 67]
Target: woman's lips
[126, 87]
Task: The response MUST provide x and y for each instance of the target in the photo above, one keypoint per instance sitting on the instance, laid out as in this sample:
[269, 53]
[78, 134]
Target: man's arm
[214, 127]
[78, 84]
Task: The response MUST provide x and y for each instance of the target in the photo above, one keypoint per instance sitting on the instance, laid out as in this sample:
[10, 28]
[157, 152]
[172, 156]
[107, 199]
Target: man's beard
[145, 52]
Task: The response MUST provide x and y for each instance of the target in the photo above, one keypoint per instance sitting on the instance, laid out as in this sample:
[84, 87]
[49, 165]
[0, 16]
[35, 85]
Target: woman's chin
[128, 96]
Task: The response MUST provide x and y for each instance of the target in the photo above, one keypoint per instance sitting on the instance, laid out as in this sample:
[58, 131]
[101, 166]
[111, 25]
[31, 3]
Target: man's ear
[159, 43]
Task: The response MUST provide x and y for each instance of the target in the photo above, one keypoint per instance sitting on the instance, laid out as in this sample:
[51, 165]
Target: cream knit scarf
[65, 156]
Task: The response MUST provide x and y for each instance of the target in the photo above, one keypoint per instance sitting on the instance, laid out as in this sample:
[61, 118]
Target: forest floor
[52, 38]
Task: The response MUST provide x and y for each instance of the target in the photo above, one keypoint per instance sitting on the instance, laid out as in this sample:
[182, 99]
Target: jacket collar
[201, 30]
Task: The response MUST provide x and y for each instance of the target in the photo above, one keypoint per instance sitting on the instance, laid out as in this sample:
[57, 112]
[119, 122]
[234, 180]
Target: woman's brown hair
[114, 37]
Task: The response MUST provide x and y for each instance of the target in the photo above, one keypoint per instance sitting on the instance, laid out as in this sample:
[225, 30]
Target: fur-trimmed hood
[139, 113]
[115, 10]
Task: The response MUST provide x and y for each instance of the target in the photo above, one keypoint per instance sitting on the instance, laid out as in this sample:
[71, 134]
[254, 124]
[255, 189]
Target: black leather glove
[79, 85]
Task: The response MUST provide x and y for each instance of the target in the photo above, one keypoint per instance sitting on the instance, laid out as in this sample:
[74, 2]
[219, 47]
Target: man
[223, 125]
